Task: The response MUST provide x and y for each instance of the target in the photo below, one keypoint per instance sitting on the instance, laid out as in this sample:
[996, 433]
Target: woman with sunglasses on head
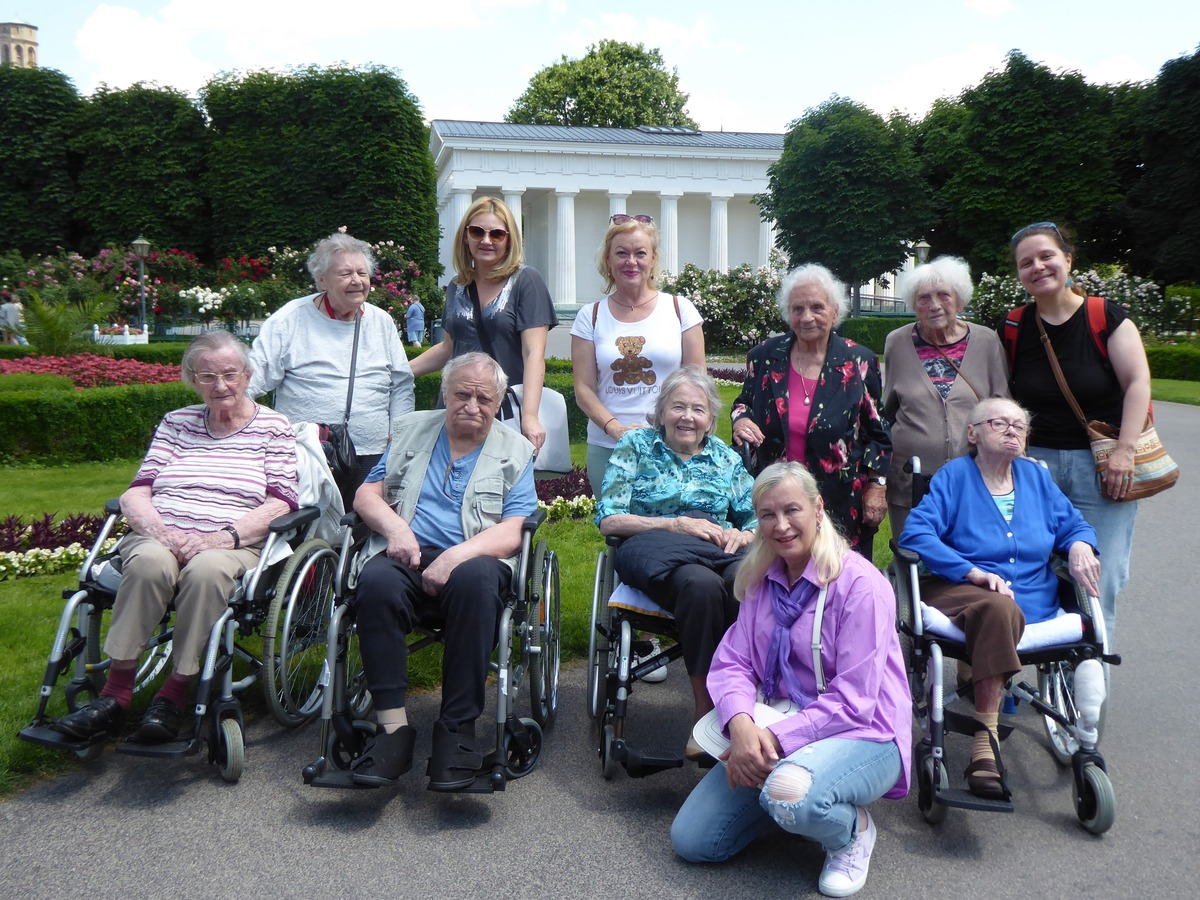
[494, 290]
[626, 344]
[1110, 384]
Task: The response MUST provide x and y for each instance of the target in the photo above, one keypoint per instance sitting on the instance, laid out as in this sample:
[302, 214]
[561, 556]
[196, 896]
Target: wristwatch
[880, 480]
[237, 539]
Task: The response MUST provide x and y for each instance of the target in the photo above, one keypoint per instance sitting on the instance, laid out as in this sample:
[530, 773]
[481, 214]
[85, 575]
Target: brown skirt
[992, 623]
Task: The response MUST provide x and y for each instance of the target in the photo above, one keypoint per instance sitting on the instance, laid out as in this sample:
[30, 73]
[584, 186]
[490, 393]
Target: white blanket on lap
[1066, 628]
[625, 597]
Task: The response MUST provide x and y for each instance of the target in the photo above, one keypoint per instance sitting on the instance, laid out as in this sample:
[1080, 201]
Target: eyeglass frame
[210, 378]
[1019, 428]
[622, 218]
[496, 234]
[1021, 231]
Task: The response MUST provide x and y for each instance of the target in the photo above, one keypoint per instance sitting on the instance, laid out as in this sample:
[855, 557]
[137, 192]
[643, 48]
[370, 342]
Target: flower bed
[45, 546]
[87, 371]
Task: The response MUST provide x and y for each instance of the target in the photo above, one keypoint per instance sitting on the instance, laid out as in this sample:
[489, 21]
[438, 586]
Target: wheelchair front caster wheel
[521, 757]
[608, 764]
[231, 750]
[931, 778]
[1095, 800]
[342, 753]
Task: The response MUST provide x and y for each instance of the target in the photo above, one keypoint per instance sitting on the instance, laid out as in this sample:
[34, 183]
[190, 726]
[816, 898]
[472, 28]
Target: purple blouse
[867, 696]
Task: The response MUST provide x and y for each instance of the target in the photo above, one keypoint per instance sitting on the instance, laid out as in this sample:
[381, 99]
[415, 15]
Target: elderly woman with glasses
[1100, 352]
[496, 305]
[986, 531]
[215, 476]
[623, 346]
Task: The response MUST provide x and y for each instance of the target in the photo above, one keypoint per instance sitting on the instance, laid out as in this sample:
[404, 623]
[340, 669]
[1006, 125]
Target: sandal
[984, 779]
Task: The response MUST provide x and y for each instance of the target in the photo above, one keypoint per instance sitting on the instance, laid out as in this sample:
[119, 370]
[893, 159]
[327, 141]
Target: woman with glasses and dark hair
[986, 530]
[495, 291]
[1102, 358]
[626, 344]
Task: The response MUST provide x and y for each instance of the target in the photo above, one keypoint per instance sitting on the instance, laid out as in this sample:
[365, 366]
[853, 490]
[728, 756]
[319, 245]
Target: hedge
[35, 382]
[1180, 363]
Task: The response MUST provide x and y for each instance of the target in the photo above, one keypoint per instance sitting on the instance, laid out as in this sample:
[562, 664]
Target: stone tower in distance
[18, 44]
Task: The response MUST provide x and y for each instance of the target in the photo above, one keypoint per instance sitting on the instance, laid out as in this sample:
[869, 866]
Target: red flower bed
[89, 371]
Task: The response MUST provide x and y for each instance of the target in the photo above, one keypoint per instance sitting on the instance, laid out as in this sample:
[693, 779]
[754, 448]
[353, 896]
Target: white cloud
[123, 47]
[915, 87]
[989, 8]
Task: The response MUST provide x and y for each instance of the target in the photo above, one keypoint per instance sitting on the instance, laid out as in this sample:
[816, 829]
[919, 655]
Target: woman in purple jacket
[848, 741]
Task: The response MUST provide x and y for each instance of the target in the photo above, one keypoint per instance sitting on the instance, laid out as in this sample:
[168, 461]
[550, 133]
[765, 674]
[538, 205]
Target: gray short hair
[696, 377]
[321, 259]
[450, 374]
[945, 271]
[813, 273]
[216, 341]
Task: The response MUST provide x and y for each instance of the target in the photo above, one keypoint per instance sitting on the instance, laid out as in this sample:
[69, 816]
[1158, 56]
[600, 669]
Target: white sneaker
[659, 675]
[845, 872]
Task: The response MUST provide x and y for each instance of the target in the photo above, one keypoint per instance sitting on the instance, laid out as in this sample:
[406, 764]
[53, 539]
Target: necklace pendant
[807, 401]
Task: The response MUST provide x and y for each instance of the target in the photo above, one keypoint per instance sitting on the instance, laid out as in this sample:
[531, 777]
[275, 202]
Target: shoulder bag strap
[1058, 373]
[353, 361]
[958, 369]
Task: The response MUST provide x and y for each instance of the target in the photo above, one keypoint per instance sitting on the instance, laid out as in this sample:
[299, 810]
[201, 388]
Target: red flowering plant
[87, 370]
[399, 280]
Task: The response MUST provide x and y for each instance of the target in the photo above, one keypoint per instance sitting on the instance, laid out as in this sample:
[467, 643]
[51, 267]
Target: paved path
[128, 827]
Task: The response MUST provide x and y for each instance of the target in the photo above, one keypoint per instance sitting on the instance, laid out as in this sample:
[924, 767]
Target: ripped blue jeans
[716, 823]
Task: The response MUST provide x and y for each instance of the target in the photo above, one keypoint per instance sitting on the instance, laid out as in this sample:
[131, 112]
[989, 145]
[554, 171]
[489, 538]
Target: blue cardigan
[958, 526]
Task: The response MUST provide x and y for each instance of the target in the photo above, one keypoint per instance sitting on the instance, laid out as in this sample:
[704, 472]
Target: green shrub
[872, 331]
[39, 382]
[1178, 363]
[738, 306]
[167, 353]
[13, 351]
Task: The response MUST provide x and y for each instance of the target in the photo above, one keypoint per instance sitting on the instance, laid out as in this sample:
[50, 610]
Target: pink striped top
[202, 483]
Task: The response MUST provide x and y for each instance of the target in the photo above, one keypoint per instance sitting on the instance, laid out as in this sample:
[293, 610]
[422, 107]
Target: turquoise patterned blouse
[645, 477]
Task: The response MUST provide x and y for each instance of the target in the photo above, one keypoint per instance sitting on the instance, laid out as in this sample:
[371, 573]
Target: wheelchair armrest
[351, 518]
[295, 519]
[534, 520]
[908, 557]
[113, 507]
[613, 540]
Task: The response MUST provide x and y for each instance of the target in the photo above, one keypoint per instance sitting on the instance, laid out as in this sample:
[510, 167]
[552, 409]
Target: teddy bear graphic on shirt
[633, 368]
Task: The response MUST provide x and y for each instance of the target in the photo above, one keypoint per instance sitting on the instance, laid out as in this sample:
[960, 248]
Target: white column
[766, 241]
[564, 260]
[512, 199]
[617, 202]
[718, 231]
[668, 232]
[456, 207]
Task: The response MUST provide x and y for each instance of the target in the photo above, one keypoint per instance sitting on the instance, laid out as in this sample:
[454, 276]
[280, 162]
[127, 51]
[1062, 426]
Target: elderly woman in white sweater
[304, 350]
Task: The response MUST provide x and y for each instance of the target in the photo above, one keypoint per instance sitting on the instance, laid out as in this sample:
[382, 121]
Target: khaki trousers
[151, 577]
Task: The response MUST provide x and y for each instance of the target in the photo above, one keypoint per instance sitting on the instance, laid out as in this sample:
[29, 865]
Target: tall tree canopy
[616, 85]
[293, 157]
[36, 106]
[139, 157]
[847, 192]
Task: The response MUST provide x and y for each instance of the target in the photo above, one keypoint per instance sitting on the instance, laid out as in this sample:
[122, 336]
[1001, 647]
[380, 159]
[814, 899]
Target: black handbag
[335, 439]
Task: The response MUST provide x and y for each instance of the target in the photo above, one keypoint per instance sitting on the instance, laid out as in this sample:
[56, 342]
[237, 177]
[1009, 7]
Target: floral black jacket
[847, 434]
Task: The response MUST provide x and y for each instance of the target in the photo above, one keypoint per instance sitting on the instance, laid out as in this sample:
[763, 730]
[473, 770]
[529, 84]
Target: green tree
[615, 85]
[1164, 204]
[139, 156]
[294, 157]
[1024, 145]
[847, 192]
[36, 106]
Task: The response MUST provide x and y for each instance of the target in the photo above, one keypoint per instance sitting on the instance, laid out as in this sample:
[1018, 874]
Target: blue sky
[753, 65]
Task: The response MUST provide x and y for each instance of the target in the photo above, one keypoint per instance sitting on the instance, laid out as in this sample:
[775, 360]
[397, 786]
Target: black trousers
[389, 602]
[703, 605]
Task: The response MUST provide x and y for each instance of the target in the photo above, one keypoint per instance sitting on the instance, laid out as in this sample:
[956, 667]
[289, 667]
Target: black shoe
[162, 722]
[100, 716]
[385, 758]
[456, 759]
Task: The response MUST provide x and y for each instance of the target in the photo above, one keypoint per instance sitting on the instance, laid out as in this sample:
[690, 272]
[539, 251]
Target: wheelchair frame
[531, 618]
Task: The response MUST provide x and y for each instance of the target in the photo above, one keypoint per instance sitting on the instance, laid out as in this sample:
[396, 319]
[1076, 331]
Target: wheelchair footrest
[165, 750]
[640, 763]
[45, 736]
[340, 778]
[963, 799]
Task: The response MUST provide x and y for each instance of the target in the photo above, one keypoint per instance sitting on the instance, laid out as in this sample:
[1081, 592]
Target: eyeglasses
[496, 234]
[1021, 231]
[207, 378]
[622, 218]
[1000, 426]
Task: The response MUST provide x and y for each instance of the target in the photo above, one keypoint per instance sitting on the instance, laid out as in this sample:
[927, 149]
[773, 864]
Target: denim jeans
[716, 823]
[1074, 471]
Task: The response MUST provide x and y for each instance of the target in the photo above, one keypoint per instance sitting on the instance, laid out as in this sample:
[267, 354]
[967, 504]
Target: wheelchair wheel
[231, 750]
[608, 765]
[546, 616]
[294, 633]
[339, 753]
[931, 777]
[520, 761]
[1095, 800]
[598, 644]
[1053, 689]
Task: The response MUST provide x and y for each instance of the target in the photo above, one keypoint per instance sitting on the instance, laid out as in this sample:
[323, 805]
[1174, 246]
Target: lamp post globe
[141, 249]
[921, 248]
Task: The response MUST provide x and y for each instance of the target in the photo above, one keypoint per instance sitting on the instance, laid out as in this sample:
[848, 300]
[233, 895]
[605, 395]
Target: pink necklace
[804, 387]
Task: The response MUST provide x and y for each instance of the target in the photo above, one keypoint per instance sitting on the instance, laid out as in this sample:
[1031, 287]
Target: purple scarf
[787, 604]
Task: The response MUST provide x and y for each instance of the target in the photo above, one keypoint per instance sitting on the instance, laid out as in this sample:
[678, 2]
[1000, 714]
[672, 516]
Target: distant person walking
[10, 321]
[414, 319]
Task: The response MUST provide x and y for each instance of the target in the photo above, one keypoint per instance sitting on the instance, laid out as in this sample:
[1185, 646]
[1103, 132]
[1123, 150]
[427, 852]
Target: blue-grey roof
[666, 137]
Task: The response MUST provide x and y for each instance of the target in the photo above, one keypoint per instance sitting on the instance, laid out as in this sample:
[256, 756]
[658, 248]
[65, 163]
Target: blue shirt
[645, 477]
[438, 519]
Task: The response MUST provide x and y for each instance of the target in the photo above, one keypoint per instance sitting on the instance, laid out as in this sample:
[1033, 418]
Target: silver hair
[321, 259]
[450, 374]
[945, 271]
[216, 341]
[696, 377]
[813, 273]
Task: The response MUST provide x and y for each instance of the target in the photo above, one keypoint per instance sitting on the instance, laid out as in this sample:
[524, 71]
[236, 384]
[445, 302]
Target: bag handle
[958, 369]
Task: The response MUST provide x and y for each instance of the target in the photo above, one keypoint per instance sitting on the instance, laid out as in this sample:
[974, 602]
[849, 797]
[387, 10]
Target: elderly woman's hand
[1084, 567]
[744, 430]
[192, 544]
[874, 504]
[736, 539]
[701, 528]
[990, 581]
[752, 754]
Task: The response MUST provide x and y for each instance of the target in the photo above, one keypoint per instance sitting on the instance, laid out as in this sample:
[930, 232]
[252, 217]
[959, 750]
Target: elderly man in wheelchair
[446, 505]
[986, 531]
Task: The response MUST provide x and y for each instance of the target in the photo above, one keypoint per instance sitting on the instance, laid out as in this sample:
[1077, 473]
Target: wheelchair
[528, 646]
[275, 599]
[1062, 652]
[617, 612]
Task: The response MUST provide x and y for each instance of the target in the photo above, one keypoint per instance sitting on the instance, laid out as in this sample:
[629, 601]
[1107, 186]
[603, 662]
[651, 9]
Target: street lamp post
[141, 249]
[921, 248]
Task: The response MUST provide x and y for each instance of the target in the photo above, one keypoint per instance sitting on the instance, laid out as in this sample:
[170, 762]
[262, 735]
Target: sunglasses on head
[622, 218]
[478, 233]
[1021, 231]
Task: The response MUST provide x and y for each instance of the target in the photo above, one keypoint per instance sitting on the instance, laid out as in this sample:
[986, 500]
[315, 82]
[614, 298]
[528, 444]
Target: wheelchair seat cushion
[1066, 628]
[630, 598]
